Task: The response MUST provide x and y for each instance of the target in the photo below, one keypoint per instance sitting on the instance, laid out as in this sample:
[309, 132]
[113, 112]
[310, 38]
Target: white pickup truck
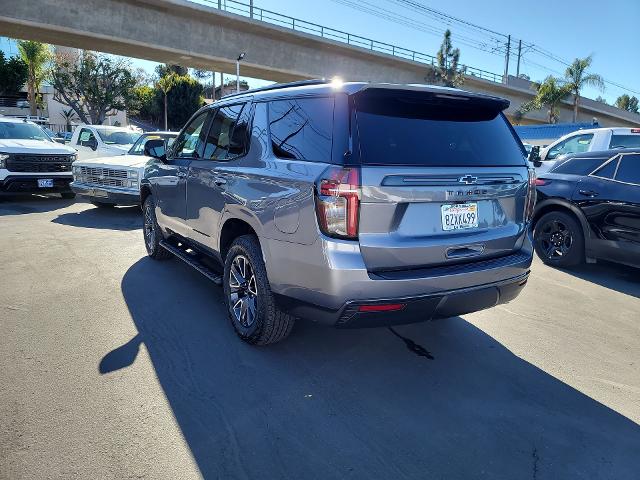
[92, 141]
[589, 140]
[110, 181]
[31, 162]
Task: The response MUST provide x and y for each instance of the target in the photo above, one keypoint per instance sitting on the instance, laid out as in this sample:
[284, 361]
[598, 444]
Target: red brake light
[635, 130]
[338, 202]
[386, 307]
[540, 182]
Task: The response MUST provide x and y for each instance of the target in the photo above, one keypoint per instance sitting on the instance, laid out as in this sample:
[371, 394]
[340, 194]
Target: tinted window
[578, 166]
[577, 144]
[629, 169]
[608, 170]
[222, 142]
[415, 130]
[187, 142]
[302, 128]
[624, 141]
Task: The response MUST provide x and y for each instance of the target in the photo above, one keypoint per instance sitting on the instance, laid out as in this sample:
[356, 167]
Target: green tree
[143, 104]
[165, 69]
[37, 56]
[549, 94]
[447, 71]
[601, 99]
[13, 74]
[577, 77]
[183, 99]
[165, 84]
[625, 102]
[92, 84]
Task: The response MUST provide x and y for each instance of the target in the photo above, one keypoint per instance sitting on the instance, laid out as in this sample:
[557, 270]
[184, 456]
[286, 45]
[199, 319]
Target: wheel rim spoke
[243, 291]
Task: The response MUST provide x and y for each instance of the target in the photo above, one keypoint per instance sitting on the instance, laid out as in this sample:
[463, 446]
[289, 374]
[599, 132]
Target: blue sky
[565, 28]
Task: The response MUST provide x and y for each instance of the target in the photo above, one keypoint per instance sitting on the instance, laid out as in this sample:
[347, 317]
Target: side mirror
[534, 156]
[155, 148]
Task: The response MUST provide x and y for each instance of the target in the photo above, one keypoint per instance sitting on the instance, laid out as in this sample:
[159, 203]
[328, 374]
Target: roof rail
[277, 86]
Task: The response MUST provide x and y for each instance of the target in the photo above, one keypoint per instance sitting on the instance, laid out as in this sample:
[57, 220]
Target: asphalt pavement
[115, 366]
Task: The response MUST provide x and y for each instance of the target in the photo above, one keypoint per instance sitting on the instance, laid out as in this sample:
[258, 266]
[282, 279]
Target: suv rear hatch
[444, 179]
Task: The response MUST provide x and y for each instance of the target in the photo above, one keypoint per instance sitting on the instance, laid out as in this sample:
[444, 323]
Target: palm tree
[36, 55]
[577, 78]
[548, 94]
[68, 115]
[165, 84]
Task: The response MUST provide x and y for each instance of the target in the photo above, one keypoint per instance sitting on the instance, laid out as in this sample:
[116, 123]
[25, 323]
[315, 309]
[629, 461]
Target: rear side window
[301, 129]
[608, 170]
[222, 144]
[629, 169]
[625, 141]
[410, 130]
[578, 166]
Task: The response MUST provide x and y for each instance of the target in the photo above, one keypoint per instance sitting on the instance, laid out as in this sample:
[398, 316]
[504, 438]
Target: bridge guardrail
[286, 21]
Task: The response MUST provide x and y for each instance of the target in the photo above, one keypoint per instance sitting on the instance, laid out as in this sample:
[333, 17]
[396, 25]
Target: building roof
[542, 132]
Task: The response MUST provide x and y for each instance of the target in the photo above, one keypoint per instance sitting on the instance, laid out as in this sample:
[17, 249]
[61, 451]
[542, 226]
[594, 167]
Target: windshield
[117, 137]
[22, 131]
[410, 129]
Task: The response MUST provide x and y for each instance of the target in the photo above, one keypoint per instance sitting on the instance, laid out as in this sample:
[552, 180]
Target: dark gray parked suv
[353, 205]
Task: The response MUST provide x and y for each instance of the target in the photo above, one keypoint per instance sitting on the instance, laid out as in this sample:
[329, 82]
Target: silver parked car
[354, 205]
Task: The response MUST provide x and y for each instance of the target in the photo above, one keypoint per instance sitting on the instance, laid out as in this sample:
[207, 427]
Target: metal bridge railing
[274, 18]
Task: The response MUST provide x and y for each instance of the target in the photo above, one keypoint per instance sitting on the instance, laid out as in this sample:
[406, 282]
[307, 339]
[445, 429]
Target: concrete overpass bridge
[279, 47]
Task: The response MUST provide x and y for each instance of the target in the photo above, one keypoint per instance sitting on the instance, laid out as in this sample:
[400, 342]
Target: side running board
[193, 261]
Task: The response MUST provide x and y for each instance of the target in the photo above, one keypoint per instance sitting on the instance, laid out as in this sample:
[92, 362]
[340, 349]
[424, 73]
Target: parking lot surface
[116, 366]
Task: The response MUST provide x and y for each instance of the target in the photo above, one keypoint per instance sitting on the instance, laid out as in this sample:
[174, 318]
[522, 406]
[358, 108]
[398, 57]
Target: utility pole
[250, 8]
[519, 55]
[506, 60]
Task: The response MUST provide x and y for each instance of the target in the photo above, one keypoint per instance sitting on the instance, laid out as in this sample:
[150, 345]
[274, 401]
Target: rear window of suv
[398, 128]
[625, 141]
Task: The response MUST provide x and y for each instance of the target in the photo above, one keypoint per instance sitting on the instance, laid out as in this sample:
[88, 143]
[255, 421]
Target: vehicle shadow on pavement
[23, 204]
[118, 218]
[621, 278]
[329, 403]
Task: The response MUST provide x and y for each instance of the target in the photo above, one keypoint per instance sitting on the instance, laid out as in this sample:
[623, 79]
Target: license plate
[45, 183]
[460, 216]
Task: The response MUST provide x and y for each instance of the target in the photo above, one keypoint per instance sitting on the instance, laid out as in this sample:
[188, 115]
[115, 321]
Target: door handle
[219, 181]
[588, 193]
[181, 174]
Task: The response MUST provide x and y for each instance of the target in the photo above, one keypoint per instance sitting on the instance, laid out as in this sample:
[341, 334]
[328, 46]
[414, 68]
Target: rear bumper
[328, 281]
[415, 309]
[16, 184]
[116, 196]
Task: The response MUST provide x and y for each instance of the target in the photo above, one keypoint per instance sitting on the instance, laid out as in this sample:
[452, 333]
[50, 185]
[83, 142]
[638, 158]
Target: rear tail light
[541, 182]
[338, 202]
[635, 130]
[530, 201]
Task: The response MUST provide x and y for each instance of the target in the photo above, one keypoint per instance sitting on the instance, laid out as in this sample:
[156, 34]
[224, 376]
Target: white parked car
[31, 162]
[110, 181]
[92, 141]
[589, 140]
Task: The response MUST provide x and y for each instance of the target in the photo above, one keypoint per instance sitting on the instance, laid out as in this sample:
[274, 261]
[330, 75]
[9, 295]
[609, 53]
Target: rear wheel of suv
[250, 303]
[558, 240]
[151, 231]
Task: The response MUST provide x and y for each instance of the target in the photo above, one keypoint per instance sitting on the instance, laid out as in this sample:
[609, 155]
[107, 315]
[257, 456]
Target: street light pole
[238, 60]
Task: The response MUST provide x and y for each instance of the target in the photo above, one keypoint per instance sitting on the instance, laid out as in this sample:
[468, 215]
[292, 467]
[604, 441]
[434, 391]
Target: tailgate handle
[465, 251]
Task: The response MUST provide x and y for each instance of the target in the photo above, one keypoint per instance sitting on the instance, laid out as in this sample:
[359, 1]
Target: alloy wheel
[243, 291]
[556, 239]
[149, 227]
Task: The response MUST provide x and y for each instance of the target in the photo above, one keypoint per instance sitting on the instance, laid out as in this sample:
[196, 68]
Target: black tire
[103, 204]
[268, 324]
[68, 195]
[558, 240]
[151, 232]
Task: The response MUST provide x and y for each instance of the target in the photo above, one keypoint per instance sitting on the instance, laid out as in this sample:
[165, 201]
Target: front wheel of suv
[151, 231]
[250, 303]
[558, 240]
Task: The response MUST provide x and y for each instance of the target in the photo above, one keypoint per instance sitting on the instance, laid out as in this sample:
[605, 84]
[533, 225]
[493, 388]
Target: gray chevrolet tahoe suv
[353, 205]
